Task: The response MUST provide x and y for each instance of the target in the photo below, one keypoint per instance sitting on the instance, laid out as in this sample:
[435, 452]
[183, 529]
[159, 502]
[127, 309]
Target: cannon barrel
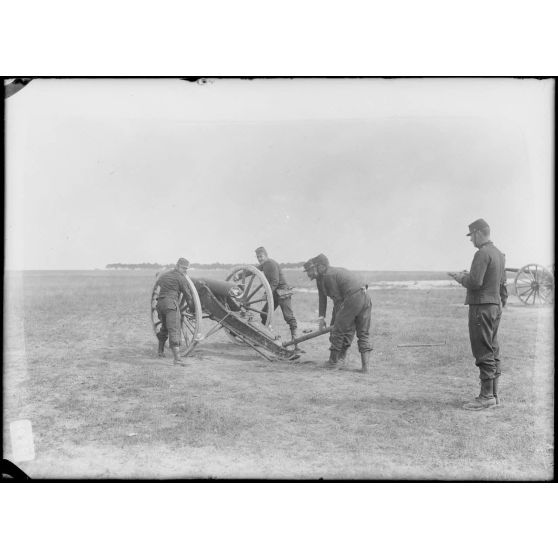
[307, 336]
[218, 288]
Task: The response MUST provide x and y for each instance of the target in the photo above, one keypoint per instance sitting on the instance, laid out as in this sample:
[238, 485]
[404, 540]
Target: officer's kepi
[321, 259]
[477, 226]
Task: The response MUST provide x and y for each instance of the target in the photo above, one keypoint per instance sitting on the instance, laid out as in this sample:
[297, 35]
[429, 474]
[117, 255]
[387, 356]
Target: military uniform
[352, 308]
[172, 283]
[486, 295]
[274, 275]
[484, 284]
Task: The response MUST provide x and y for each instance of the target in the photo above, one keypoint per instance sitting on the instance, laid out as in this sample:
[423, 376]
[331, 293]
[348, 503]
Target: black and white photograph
[279, 278]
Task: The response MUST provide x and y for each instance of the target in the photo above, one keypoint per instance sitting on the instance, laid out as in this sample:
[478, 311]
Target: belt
[355, 291]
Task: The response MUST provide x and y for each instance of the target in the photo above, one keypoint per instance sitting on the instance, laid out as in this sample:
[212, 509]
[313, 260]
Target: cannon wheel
[534, 284]
[256, 293]
[190, 319]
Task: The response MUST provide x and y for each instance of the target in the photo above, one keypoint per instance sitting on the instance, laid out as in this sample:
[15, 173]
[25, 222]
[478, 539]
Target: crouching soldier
[352, 309]
[171, 285]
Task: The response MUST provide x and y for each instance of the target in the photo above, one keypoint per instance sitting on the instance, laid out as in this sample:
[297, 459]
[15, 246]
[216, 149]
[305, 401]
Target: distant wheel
[534, 284]
[190, 315]
[256, 300]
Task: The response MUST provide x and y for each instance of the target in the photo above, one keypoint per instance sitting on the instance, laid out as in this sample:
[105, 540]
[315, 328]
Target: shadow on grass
[388, 403]
[227, 351]
[129, 355]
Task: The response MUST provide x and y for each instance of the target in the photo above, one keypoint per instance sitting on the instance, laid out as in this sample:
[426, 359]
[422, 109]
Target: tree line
[215, 265]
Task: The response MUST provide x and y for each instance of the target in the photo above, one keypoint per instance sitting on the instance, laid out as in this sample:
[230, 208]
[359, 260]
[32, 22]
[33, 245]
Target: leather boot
[294, 335]
[495, 390]
[161, 350]
[177, 359]
[486, 398]
[365, 358]
[333, 359]
[342, 356]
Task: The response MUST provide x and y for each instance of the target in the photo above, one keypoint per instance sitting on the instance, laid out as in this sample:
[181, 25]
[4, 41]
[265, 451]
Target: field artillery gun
[242, 305]
[534, 284]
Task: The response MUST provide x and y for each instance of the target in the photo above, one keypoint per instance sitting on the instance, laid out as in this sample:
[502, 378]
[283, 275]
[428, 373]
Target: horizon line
[196, 268]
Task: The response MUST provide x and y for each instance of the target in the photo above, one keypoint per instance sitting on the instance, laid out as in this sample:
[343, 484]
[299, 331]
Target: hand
[458, 276]
[321, 323]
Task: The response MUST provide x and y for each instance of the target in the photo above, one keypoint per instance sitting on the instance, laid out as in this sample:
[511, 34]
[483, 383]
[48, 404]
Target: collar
[485, 243]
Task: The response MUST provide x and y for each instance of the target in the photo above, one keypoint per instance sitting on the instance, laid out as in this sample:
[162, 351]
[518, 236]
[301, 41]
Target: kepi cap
[321, 259]
[477, 226]
[183, 261]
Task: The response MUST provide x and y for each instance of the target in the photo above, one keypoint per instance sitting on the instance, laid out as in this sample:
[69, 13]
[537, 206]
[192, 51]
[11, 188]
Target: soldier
[171, 284]
[486, 295]
[352, 309]
[282, 293]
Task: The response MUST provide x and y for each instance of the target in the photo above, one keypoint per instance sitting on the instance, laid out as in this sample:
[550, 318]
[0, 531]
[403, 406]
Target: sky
[378, 174]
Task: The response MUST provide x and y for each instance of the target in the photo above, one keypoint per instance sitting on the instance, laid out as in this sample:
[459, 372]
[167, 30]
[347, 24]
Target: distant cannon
[241, 305]
[534, 284]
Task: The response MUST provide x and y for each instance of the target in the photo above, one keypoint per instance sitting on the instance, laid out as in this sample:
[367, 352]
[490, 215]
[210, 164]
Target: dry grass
[80, 363]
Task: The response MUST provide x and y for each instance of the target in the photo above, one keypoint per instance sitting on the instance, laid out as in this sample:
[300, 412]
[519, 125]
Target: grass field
[80, 363]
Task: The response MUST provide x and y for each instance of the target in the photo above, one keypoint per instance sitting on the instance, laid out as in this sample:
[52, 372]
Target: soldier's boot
[486, 398]
[365, 359]
[294, 335]
[161, 350]
[333, 359]
[495, 389]
[341, 360]
[177, 359]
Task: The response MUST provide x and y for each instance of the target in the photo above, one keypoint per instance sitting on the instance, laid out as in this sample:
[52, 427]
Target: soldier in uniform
[282, 293]
[172, 284]
[486, 295]
[352, 309]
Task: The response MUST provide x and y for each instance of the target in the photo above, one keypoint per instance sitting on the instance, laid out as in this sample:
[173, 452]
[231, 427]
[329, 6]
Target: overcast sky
[377, 174]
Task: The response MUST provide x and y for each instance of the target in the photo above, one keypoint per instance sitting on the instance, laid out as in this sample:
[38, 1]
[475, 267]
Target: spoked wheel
[534, 284]
[190, 316]
[256, 300]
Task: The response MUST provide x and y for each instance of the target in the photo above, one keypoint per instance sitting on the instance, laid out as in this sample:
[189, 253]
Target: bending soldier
[172, 284]
[352, 309]
[486, 295]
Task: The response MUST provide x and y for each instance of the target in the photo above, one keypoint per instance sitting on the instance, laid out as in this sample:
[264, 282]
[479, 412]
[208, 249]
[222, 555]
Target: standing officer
[352, 309]
[486, 295]
[171, 284]
[282, 293]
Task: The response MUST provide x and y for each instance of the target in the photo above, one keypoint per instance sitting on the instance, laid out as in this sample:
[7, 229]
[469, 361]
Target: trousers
[286, 308]
[353, 315]
[169, 315]
[484, 321]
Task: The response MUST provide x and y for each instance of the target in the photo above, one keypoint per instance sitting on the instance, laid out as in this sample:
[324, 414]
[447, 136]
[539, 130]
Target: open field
[80, 362]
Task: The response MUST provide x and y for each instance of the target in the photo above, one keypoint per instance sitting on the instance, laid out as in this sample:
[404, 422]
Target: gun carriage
[242, 305]
[533, 283]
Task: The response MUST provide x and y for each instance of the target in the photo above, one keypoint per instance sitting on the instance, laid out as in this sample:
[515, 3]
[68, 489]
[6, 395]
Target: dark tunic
[486, 291]
[337, 283]
[171, 284]
[487, 274]
[274, 275]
